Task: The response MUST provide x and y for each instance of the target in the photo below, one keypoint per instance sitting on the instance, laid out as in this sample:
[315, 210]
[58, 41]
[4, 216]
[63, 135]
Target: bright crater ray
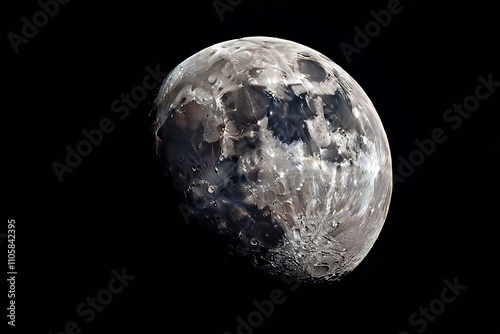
[278, 152]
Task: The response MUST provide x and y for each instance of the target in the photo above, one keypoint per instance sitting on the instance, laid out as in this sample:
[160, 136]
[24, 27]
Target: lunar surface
[279, 153]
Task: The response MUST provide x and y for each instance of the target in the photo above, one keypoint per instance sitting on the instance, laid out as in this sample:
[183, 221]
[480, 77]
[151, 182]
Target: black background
[115, 209]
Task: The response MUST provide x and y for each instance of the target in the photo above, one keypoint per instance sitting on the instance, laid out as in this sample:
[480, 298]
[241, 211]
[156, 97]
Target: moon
[279, 153]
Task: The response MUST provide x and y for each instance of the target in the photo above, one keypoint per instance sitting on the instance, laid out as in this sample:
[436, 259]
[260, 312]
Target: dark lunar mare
[277, 151]
[194, 166]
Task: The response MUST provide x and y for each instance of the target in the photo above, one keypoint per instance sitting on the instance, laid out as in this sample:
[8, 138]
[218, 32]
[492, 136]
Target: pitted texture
[276, 149]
